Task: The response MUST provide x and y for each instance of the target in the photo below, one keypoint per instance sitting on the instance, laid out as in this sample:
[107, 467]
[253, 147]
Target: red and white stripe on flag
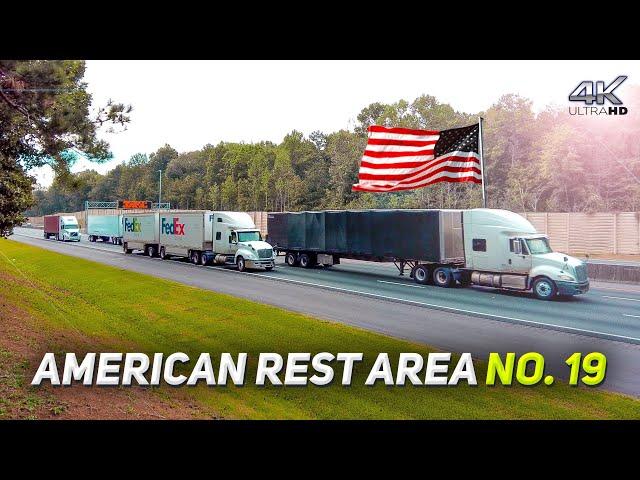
[398, 159]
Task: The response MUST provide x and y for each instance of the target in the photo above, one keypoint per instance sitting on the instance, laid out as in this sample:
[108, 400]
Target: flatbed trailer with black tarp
[405, 237]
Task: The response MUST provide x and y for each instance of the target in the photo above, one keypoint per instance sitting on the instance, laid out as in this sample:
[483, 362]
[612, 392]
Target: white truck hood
[555, 259]
[257, 244]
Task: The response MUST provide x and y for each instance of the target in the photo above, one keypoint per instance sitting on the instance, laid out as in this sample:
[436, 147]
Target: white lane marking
[634, 316]
[403, 284]
[622, 298]
[422, 304]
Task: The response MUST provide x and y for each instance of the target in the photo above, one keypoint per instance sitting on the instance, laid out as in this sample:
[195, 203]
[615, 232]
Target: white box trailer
[184, 232]
[141, 231]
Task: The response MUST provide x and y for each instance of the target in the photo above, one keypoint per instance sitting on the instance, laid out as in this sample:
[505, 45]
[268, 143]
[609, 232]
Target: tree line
[549, 161]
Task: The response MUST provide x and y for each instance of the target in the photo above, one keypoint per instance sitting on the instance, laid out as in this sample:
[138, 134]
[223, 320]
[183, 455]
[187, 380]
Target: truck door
[233, 242]
[220, 232]
[518, 258]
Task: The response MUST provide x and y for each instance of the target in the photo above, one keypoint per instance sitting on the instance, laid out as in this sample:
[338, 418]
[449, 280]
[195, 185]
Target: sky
[189, 104]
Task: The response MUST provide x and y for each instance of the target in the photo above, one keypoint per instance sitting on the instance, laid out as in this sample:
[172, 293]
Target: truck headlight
[564, 276]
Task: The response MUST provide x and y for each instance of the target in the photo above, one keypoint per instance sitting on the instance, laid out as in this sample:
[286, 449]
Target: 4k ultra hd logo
[172, 227]
[596, 92]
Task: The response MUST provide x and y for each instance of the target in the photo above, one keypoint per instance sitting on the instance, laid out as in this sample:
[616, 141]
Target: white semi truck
[62, 228]
[203, 236]
[487, 247]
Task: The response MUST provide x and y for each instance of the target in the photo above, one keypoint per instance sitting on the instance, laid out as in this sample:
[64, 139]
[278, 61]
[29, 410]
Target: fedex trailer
[141, 231]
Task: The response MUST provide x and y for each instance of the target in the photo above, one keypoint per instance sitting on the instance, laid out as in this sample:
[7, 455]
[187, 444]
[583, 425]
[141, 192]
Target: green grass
[125, 311]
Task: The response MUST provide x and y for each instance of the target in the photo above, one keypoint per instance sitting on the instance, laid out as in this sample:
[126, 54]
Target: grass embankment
[125, 311]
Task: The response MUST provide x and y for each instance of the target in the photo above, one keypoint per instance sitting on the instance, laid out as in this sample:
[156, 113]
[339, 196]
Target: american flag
[403, 159]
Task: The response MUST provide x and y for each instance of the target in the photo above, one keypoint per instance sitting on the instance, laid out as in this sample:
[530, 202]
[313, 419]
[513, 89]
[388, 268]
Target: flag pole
[484, 192]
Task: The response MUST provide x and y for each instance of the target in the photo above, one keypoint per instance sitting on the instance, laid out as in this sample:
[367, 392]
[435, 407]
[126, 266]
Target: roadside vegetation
[118, 310]
[535, 162]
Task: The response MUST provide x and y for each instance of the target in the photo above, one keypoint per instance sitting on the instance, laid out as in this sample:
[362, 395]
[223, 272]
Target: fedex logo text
[132, 225]
[173, 227]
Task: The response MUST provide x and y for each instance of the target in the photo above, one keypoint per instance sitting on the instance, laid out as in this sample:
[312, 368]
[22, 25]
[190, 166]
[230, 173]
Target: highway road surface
[373, 296]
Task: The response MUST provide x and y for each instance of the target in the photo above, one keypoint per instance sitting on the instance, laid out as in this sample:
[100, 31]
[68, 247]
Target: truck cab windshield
[70, 226]
[249, 236]
[538, 245]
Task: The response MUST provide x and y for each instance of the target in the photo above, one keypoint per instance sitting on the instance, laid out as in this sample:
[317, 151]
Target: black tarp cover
[402, 234]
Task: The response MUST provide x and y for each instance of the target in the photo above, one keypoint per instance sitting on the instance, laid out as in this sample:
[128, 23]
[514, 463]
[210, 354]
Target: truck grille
[581, 273]
[265, 253]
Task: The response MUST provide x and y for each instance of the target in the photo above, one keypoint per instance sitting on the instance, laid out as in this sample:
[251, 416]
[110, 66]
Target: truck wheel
[195, 257]
[442, 277]
[204, 259]
[421, 275]
[151, 251]
[544, 288]
[291, 259]
[163, 253]
[306, 261]
[241, 265]
[45, 235]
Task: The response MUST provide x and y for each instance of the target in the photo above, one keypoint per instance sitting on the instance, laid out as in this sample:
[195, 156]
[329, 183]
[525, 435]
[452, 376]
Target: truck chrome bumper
[572, 288]
[267, 262]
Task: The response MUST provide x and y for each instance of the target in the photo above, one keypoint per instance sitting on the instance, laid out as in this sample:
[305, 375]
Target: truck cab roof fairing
[502, 218]
[237, 219]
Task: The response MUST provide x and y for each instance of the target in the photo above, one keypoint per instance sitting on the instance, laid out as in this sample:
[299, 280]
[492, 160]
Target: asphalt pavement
[373, 296]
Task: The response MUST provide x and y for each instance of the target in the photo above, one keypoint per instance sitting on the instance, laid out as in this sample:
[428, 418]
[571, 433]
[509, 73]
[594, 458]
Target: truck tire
[195, 257]
[204, 259]
[241, 264]
[307, 261]
[163, 253]
[421, 274]
[442, 277]
[544, 288]
[45, 235]
[126, 250]
[291, 259]
[151, 251]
